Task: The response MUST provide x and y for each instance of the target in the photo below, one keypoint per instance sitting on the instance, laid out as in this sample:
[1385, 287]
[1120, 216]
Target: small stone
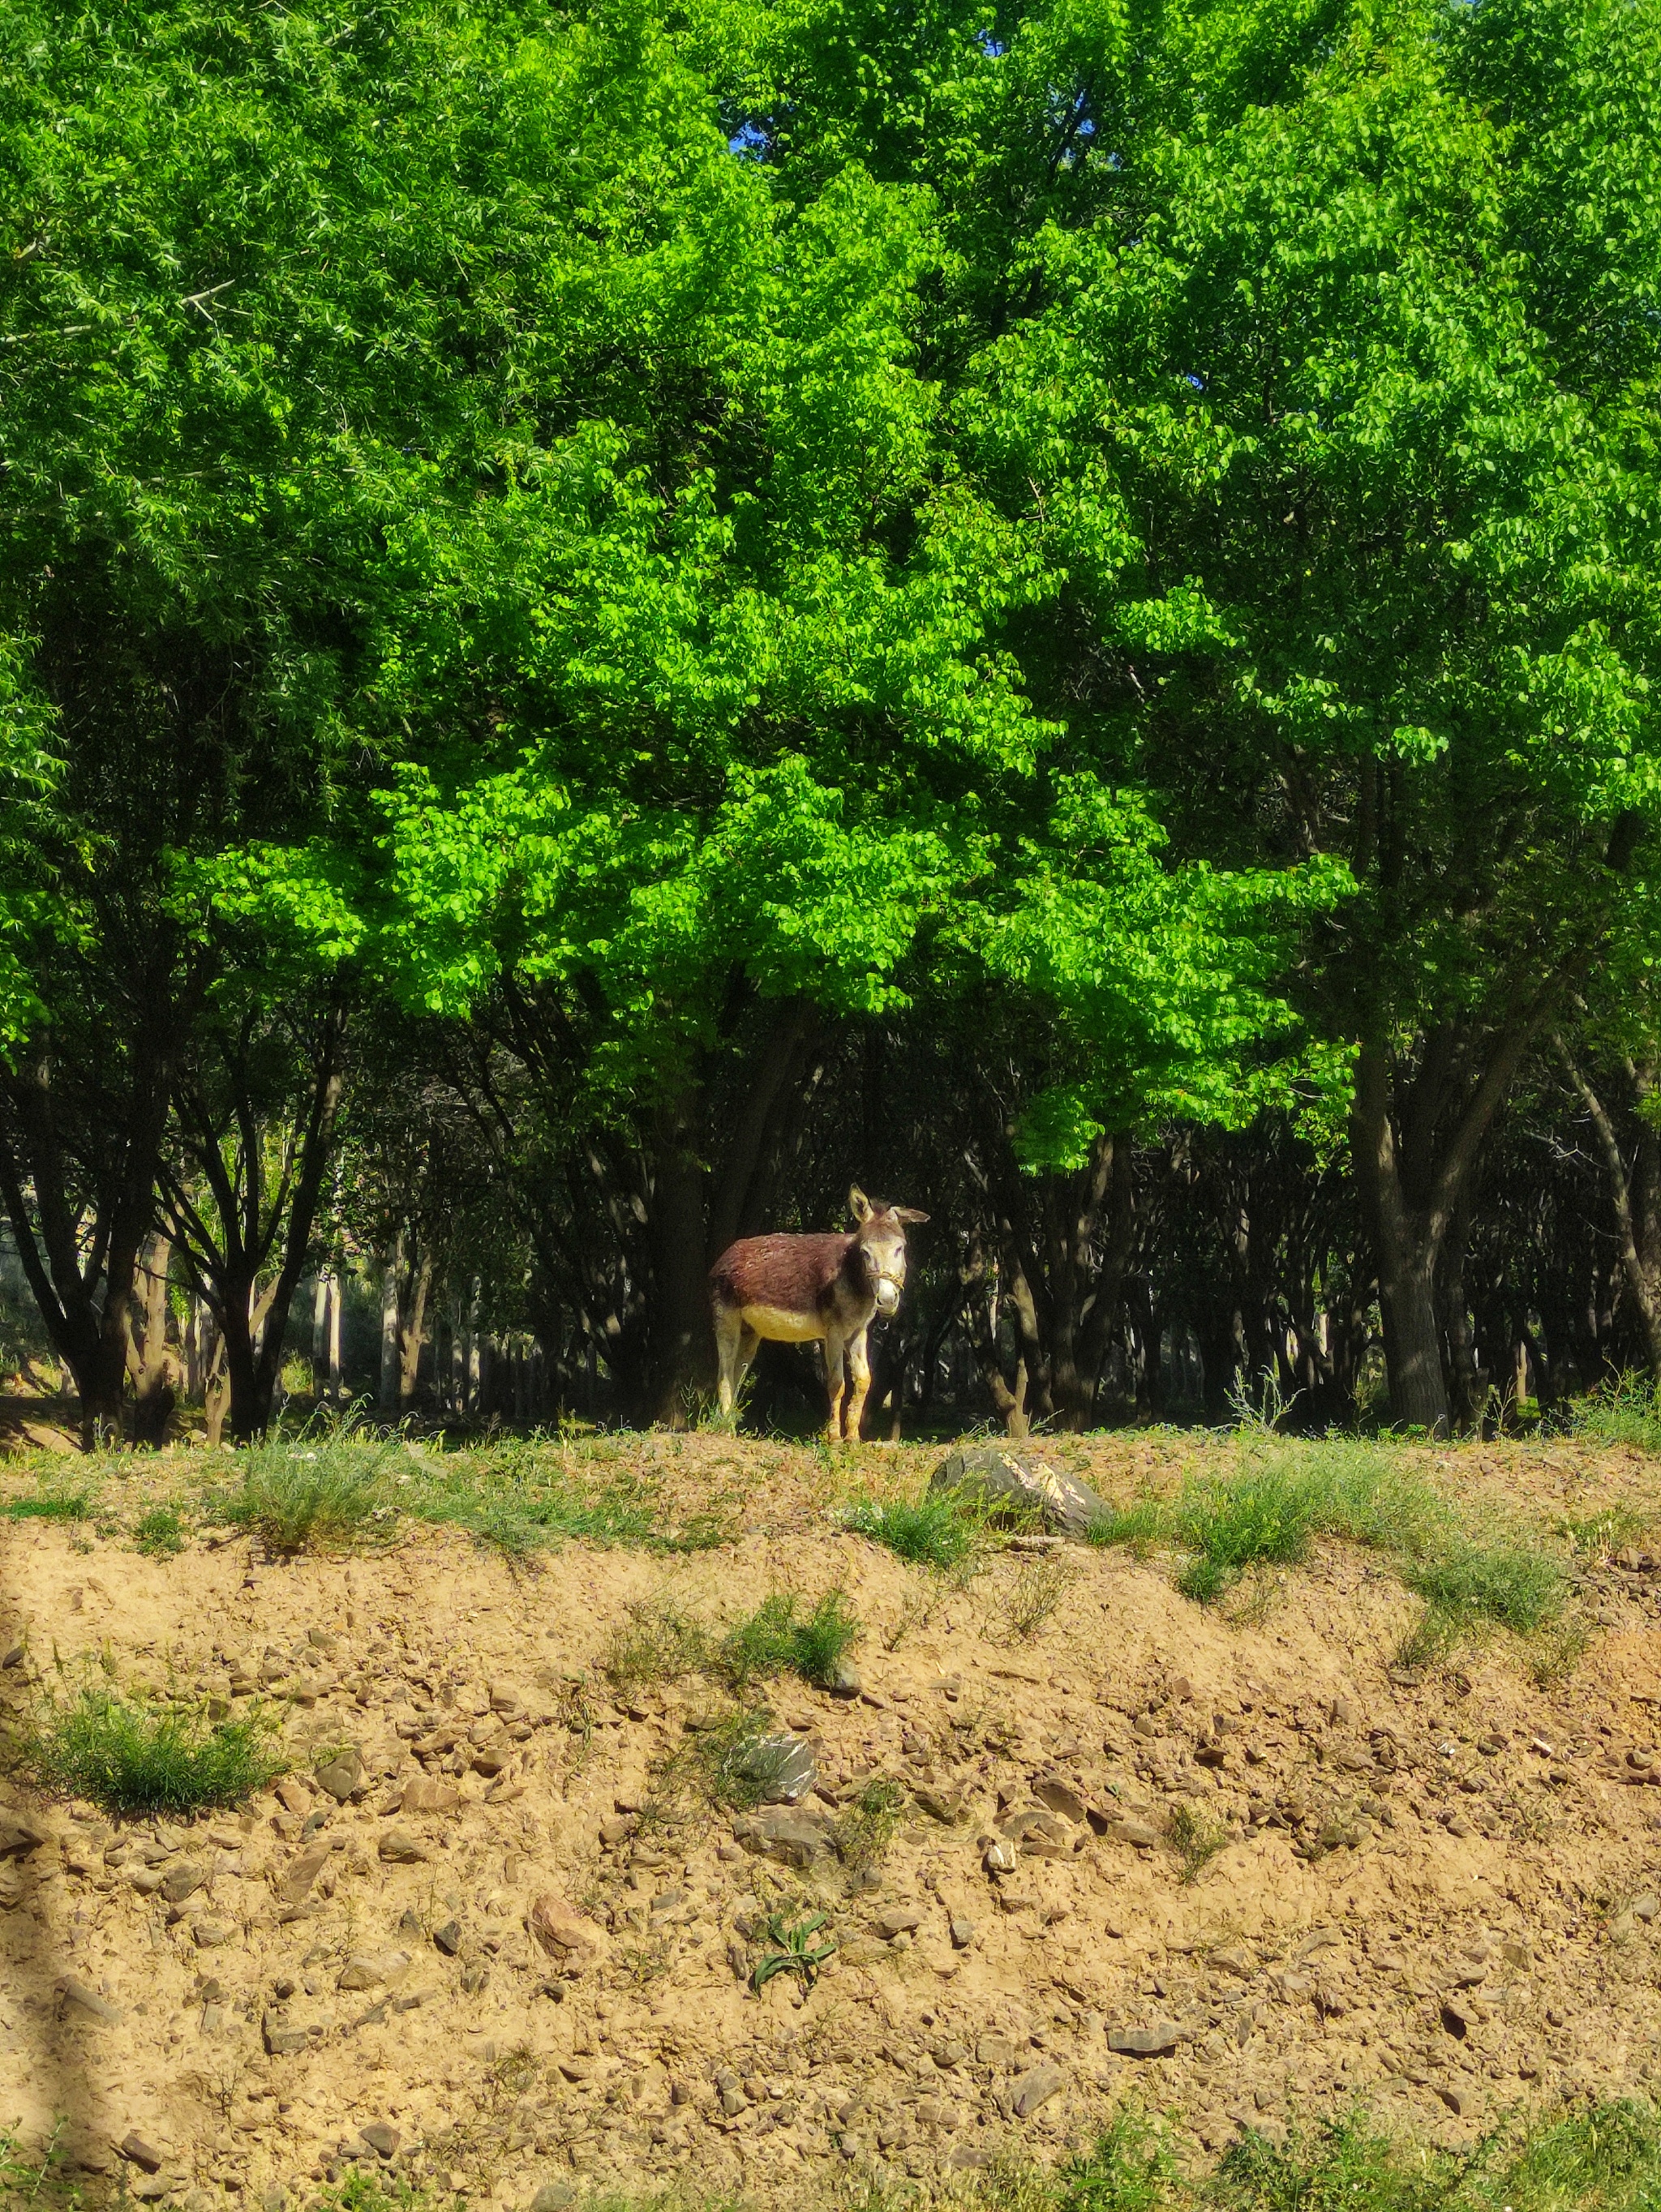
[566, 1935]
[400, 1848]
[448, 1938]
[303, 1871]
[946, 1806]
[343, 1774]
[137, 2151]
[999, 1857]
[616, 1831]
[902, 1942]
[426, 1793]
[210, 1934]
[1645, 1907]
[1034, 2087]
[1458, 2018]
[995, 2050]
[553, 2197]
[797, 1839]
[1456, 2100]
[382, 2139]
[1059, 1797]
[1132, 1831]
[1016, 1486]
[85, 2000]
[898, 1920]
[963, 1934]
[845, 1682]
[183, 1880]
[281, 2037]
[369, 1969]
[21, 1833]
[1145, 2042]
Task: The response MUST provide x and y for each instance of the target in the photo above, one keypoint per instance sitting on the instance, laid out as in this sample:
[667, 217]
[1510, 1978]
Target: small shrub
[325, 1493]
[1626, 1411]
[1034, 1595]
[941, 1531]
[656, 1642]
[1521, 1589]
[1267, 1516]
[137, 1757]
[1128, 2168]
[159, 1533]
[1595, 1535]
[1195, 1839]
[50, 1505]
[869, 1823]
[796, 1952]
[776, 1640]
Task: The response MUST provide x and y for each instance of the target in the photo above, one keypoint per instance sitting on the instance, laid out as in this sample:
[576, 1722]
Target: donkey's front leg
[833, 1384]
[859, 1366]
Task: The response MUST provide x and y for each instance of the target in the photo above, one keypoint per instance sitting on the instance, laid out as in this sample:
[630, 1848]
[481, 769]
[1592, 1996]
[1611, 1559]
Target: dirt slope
[1441, 1894]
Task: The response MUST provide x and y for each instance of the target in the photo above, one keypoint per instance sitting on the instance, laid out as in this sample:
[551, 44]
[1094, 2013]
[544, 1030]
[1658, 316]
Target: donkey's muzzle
[888, 1295]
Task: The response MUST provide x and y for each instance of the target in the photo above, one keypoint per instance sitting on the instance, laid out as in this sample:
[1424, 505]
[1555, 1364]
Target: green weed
[869, 1823]
[656, 1641]
[313, 1493]
[1595, 1535]
[1265, 1515]
[1195, 1839]
[776, 1640]
[50, 1505]
[159, 1533]
[941, 1530]
[1034, 1593]
[1139, 1528]
[1626, 1411]
[797, 1953]
[136, 1756]
[1128, 2168]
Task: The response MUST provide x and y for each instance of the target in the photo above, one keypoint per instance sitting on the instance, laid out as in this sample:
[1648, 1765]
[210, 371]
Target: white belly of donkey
[781, 1326]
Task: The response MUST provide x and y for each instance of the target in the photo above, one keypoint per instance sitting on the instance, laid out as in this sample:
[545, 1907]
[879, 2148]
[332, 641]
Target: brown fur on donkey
[795, 1290]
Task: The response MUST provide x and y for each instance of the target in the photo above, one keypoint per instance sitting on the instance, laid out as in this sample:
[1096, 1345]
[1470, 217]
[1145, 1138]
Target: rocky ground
[487, 1935]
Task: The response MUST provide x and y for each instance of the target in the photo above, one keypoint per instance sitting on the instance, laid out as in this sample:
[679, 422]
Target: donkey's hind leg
[730, 1333]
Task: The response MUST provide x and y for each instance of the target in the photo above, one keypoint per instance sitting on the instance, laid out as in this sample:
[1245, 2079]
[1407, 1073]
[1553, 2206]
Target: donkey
[797, 1290]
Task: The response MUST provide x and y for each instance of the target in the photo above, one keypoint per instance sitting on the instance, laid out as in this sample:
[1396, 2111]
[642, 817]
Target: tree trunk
[151, 1361]
[412, 1333]
[386, 1397]
[1640, 1280]
[684, 1347]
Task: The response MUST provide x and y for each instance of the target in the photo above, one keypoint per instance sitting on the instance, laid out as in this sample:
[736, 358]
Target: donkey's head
[880, 1238]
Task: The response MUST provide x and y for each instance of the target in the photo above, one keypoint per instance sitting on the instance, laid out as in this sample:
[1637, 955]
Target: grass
[50, 1505]
[159, 1533]
[1033, 1594]
[134, 1756]
[1289, 1492]
[869, 1823]
[656, 1641]
[326, 1490]
[1626, 1411]
[777, 1639]
[1195, 1839]
[941, 1531]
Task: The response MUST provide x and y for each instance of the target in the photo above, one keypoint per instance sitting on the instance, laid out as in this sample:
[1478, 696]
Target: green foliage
[776, 1639]
[134, 1756]
[1287, 1493]
[1624, 1411]
[656, 1641]
[797, 1953]
[868, 1823]
[50, 1505]
[324, 1491]
[1196, 1840]
[159, 1533]
[1128, 2168]
[939, 1529]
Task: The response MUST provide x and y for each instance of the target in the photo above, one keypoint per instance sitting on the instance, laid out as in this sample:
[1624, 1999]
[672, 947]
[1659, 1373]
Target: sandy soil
[1439, 1894]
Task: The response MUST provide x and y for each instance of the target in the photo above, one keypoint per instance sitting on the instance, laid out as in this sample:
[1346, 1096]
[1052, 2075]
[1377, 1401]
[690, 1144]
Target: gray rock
[899, 1920]
[781, 1769]
[1015, 1487]
[183, 1880]
[368, 1970]
[946, 1806]
[448, 1939]
[554, 2197]
[139, 2152]
[1034, 2087]
[382, 2139]
[343, 1773]
[85, 2000]
[963, 1934]
[401, 1849]
[1059, 1797]
[797, 1839]
[1145, 2042]
[995, 2050]
[210, 1934]
[846, 1682]
[1132, 1831]
[20, 1832]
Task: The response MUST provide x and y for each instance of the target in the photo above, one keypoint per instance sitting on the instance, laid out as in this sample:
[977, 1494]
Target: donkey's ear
[906, 1213]
[859, 1205]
